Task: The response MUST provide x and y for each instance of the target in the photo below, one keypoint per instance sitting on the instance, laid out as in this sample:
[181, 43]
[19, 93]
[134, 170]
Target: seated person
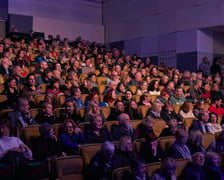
[171, 129]
[31, 89]
[116, 111]
[76, 96]
[46, 144]
[155, 111]
[93, 96]
[186, 110]
[20, 116]
[46, 114]
[212, 169]
[54, 88]
[70, 112]
[195, 90]
[195, 142]
[11, 148]
[143, 88]
[179, 148]
[194, 170]
[178, 96]
[146, 127]
[167, 170]
[93, 109]
[164, 96]
[104, 162]
[96, 133]
[138, 170]
[125, 151]
[154, 88]
[110, 98]
[124, 128]
[145, 99]
[132, 110]
[127, 97]
[71, 137]
[213, 126]
[150, 151]
[167, 113]
[216, 107]
[200, 124]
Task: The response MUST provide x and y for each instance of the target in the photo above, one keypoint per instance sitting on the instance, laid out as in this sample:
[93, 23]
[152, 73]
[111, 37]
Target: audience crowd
[109, 97]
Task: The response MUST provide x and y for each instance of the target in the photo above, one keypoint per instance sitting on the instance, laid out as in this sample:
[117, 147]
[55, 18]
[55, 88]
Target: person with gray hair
[103, 163]
[46, 145]
[212, 169]
[194, 170]
[124, 128]
[195, 90]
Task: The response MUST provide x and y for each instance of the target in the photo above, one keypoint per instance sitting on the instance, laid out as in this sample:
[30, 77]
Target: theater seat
[119, 172]
[137, 145]
[152, 168]
[207, 138]
[143, 110]
[88, 151]
[30, 132]
[105, 111]
[181, 164]
[109, 124]
[69, 168]
[159, 125]
[166, 142]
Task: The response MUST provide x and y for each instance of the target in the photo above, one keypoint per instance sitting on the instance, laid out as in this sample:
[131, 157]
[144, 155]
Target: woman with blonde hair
[156, 110]
[93, 109]
[143, 88]
[195, 142]
[146, 127]
[125, 151]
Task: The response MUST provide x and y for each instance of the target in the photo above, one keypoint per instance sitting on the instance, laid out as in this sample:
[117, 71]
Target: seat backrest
[69, 167]
[56, 128]
[2, 88]
[4, 113]
[143, 110]
[39, 98]
[101, 88]
[57, 112]
[137, 145]
[135, 123]
[105, 111]
[188, 122]
[3, 98]
[61, 100]
[176, 108]
[207, 138]
[83, 125]
[34, 112]
[153, 98]
[88, 151]
[133, 89]
[159, 125]
[109, 124]
[137, 98]
[30, 132]
[81, 112]
[101, 80]
[83, 97]
[119, 172]
[181, 164]
[165, 142]
[152, 168]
